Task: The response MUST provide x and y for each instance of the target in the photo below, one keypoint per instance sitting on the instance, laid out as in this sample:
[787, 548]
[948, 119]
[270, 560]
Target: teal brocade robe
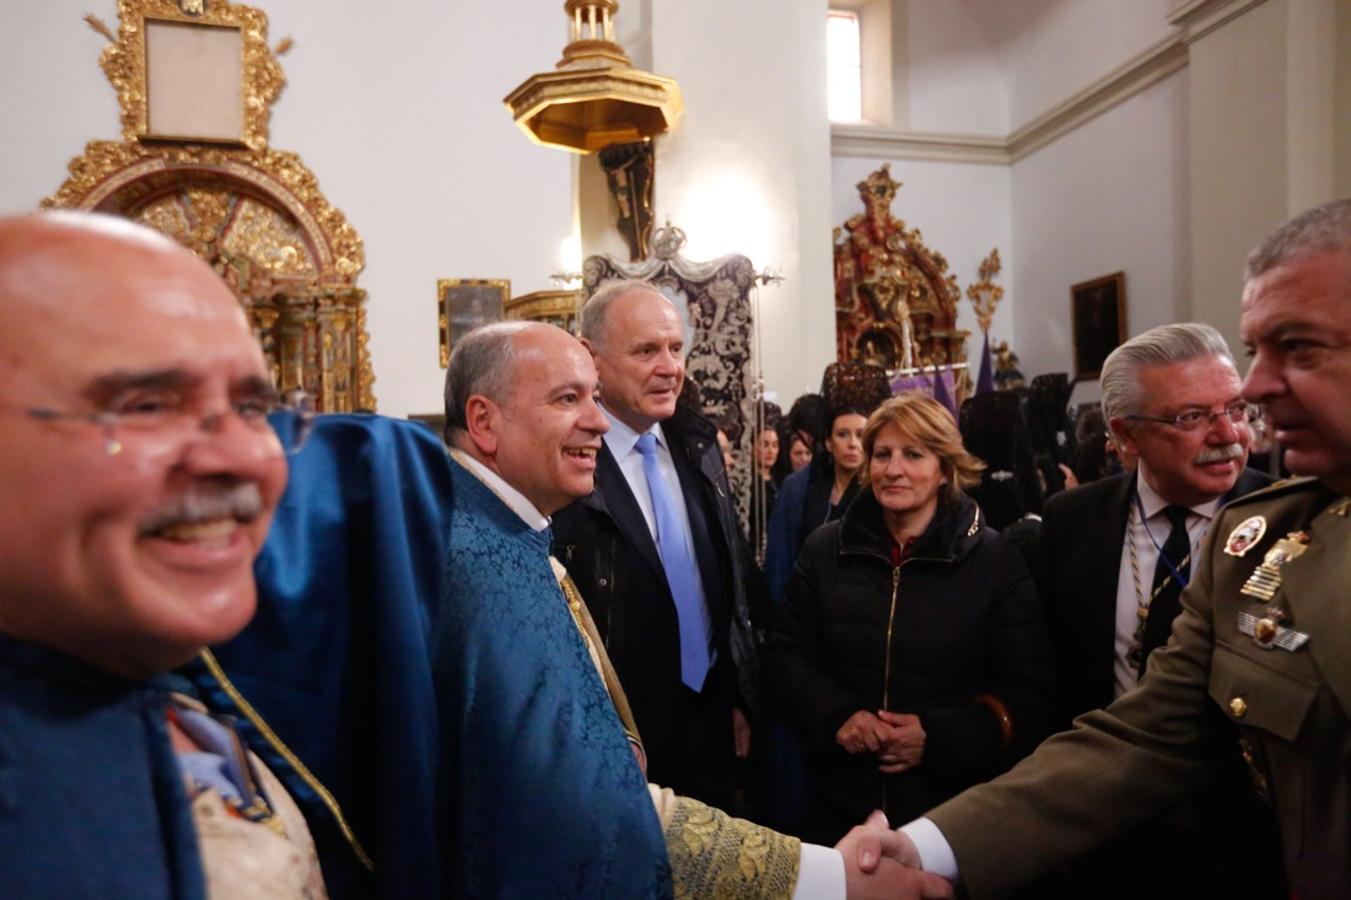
[544, 796]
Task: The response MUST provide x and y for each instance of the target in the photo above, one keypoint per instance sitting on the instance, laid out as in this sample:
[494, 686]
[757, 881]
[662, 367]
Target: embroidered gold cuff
[715, 855]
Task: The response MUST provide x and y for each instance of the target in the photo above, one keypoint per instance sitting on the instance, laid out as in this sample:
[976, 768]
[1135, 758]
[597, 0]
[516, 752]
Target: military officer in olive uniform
[1264, 638]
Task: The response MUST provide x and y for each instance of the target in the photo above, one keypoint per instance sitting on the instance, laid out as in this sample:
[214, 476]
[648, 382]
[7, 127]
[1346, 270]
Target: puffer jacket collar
[950, 536]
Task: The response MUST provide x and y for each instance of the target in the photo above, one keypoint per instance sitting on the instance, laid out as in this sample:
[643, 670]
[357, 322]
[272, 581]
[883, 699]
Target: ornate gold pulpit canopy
[594, 97]
[253, 213]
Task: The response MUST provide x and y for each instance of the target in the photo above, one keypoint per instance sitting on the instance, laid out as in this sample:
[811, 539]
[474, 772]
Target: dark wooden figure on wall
[1098, 313]
[630, 171]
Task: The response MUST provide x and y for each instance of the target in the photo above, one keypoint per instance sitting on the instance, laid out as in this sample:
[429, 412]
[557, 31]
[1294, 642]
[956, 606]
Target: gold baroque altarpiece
[255, 214]
[895, 301]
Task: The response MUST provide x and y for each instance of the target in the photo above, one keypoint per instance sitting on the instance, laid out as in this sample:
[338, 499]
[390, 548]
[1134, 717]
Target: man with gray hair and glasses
[1114, 554]
[1113, 558]
[1261, 642]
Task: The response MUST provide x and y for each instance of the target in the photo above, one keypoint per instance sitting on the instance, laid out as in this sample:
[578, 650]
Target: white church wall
[955, 83]
[1341, 184]
[962, 212]
[398, 112]
[748, 170]
[1050, 49]
[1240, 143]
[1110, 196]
[53, 96]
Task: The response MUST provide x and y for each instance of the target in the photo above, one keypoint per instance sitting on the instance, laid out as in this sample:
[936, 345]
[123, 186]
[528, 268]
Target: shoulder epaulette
[1284, 486]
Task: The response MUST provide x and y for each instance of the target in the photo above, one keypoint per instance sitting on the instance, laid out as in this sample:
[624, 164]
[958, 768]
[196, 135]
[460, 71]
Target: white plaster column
[1311, 48]
[748, 170]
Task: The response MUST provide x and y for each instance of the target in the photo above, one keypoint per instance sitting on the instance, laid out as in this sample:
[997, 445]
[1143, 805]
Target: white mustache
[207, 501]
[1219, 454]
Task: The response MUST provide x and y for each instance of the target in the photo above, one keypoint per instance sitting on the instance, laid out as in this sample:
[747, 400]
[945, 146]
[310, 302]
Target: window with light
[844, 75]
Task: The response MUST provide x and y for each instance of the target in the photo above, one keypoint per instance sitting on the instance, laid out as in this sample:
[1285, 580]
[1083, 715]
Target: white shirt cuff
[820, 874]
[935, 853]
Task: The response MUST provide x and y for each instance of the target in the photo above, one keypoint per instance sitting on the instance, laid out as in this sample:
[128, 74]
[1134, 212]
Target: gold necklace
[1134, 520]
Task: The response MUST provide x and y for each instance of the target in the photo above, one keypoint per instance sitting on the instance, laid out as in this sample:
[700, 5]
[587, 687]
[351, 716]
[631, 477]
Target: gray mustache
[201, 503]
[1218, 454]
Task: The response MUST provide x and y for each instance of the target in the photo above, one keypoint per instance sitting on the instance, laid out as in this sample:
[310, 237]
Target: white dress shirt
[1199, 517]
[623, 444]
[514, 499]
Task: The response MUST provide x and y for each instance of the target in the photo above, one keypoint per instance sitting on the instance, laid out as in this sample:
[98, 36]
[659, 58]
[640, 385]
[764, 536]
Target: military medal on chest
[1265, 580]
[1266, 630]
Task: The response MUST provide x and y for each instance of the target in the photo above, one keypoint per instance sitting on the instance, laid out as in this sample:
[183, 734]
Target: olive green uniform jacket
[1119, 766]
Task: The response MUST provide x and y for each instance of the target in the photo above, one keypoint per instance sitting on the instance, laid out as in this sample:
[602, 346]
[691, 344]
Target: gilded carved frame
[124, 62]
[556, 307]
[115, 176]
[463, 303]
[110, 169]
[122, 177]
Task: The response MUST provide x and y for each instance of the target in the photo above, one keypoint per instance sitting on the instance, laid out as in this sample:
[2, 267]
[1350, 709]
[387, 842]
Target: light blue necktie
[681, 572]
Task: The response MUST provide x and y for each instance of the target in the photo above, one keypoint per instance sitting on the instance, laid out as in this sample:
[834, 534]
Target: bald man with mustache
[140, 474]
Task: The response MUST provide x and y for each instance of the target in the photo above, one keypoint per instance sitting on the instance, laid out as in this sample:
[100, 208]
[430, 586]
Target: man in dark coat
[1171, 396]
[1110, 571]
[669, 602]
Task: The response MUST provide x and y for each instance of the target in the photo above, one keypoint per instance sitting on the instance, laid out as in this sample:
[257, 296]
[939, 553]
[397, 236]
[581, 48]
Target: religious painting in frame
[1098, 313]
[463, 303]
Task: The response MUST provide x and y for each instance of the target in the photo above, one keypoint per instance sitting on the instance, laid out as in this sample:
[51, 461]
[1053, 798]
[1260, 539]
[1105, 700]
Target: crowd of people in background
[1034, 441]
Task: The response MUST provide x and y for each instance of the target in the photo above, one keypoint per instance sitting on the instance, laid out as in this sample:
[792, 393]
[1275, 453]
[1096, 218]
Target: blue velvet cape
[337, 658]
[336, 661]
[92, 804]
[353, 581]
[545, 797]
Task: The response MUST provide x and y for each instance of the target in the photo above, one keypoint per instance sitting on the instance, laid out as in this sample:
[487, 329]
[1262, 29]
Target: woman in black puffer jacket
[910, 650]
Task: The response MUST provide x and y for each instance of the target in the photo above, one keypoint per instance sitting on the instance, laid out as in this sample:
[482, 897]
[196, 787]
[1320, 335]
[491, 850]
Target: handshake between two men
[882, 862]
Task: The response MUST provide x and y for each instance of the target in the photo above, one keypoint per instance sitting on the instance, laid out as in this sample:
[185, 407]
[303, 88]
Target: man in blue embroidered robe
[543, 787]
[522, 677]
